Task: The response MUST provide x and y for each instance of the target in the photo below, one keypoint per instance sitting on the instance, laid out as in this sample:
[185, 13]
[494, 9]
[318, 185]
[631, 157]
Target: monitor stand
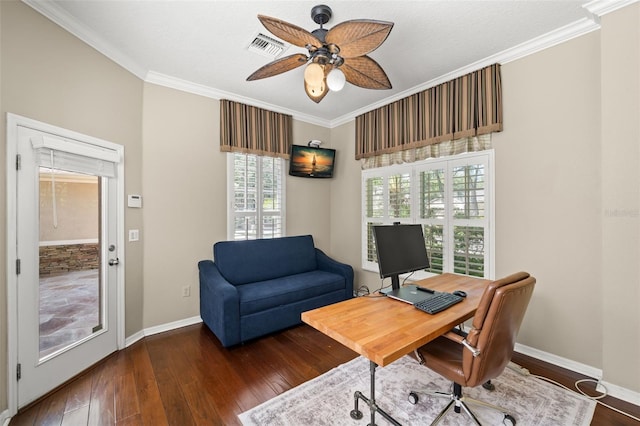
[395, 284]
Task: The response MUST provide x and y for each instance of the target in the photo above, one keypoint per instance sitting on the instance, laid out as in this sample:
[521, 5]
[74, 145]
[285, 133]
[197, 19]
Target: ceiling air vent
[267, 46]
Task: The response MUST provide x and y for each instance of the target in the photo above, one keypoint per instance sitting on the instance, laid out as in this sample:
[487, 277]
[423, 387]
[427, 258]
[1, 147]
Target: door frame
[13, 122]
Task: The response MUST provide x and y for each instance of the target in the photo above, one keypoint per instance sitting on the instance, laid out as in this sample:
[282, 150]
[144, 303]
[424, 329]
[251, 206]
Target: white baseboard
[5, 418]
[569, 364]
[161, 329]
[596, 373]
[620, 392]
[133, 338]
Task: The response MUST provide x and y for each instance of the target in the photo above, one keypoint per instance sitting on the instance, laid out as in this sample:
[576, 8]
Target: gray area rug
[328, 399]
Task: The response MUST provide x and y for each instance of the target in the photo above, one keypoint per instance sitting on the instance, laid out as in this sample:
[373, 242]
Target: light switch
[134, 234]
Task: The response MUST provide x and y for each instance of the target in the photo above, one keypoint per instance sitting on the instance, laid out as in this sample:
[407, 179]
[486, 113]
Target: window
[256, 196]
[450, 198]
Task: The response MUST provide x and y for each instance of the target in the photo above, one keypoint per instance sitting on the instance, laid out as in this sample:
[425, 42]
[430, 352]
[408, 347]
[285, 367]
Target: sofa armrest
[219, 304]
[325, 263]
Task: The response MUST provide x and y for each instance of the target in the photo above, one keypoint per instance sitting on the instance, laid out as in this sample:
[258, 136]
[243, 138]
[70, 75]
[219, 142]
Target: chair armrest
[325, 263]
[451, 335]
[219, 304]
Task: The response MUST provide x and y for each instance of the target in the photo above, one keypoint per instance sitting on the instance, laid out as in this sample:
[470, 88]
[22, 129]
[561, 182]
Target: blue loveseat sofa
[256, 287]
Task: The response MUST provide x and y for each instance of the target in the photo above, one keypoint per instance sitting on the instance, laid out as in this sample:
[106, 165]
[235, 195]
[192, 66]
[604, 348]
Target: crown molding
[545, 41]
[60, 17]
[210, 92]
[602, 7]
[596, 8]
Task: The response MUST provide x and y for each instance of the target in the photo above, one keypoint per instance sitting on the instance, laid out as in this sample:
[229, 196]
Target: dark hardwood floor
[185, 377]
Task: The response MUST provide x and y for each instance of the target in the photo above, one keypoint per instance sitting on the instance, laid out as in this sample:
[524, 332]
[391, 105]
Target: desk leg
[357, 414]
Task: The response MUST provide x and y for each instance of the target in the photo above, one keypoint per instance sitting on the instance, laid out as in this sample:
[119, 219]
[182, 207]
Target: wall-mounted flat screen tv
[307, 161]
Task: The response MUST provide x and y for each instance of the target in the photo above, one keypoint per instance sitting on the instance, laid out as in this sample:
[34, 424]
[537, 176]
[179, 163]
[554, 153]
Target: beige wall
[185, 196]
[620, 210]
[308, 200]
[76, 210]
[49, 75]
[3, 232]
[548, 194]
[346, 214]
[557, 181]
[568, 195]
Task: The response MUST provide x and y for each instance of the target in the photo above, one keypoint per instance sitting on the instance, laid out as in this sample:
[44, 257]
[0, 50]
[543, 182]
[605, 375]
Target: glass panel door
[70, 296]
[67, 236]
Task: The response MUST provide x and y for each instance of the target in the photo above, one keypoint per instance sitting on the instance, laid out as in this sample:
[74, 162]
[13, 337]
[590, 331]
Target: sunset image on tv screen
[311, 162]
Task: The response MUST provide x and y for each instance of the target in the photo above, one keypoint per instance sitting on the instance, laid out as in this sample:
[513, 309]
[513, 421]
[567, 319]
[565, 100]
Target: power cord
[363, 290]
[523, 371]
[407, 277]
[382, 287]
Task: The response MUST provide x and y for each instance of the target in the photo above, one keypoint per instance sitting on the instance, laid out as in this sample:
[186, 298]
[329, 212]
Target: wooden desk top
[383, 329]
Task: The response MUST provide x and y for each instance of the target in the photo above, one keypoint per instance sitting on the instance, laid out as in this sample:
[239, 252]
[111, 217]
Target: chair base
[459, 402]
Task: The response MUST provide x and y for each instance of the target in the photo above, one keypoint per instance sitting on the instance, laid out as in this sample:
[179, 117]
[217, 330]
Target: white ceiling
[201, 46]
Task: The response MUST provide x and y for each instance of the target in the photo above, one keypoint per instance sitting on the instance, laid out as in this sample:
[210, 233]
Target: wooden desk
[383, 329]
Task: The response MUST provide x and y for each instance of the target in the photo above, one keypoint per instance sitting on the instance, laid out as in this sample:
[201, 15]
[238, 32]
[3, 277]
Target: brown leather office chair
[484, 353]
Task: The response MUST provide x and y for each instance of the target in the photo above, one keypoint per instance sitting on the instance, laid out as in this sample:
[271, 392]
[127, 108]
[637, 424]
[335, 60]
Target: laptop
[409, 294]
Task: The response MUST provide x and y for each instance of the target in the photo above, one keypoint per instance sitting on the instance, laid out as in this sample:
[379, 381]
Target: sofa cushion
[242, 262]
[263, 295]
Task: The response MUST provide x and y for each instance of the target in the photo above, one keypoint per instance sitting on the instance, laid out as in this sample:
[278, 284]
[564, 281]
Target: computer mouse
[460, 293]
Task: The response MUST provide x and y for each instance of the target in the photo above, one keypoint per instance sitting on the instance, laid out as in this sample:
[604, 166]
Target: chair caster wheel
[509, 420]
[356, 414]
[413, 398]
[489, 386]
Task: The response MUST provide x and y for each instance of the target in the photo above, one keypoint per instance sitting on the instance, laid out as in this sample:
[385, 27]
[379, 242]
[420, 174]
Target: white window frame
[232, 214]
[448, 163]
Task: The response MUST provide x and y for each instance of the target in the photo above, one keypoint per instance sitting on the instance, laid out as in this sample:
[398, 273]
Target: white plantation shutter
[469, 217]
[256, 192]
[387, 198]
[374, 212]
[399, 190]
[272, 194]
[450, 198]
[433, 212]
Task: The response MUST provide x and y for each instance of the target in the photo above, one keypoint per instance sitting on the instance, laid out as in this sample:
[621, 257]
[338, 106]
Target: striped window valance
[470, 105]
[248, 129]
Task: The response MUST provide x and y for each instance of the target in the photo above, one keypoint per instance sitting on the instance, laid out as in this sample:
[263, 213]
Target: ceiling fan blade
[359, 36]
[289, 32]
[279, 66]
[365, 72]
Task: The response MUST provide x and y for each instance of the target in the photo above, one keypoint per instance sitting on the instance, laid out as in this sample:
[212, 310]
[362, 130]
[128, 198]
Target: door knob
[113, 262]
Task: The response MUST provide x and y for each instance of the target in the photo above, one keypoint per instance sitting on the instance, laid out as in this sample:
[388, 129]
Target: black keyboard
[439, 302]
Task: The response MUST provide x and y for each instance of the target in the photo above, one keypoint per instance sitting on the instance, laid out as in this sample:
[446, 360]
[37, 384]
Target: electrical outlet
[186, 291]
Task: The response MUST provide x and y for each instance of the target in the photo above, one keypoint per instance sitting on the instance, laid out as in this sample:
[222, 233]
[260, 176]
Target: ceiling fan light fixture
[314, 74]
[316, 92]
[336, 80]
[329, 50]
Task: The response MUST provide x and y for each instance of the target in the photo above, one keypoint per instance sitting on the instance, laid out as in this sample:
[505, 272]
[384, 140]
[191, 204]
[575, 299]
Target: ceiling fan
[334, 56]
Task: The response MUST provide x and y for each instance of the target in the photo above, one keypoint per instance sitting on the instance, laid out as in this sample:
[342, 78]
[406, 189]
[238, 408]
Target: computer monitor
[401, 249]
